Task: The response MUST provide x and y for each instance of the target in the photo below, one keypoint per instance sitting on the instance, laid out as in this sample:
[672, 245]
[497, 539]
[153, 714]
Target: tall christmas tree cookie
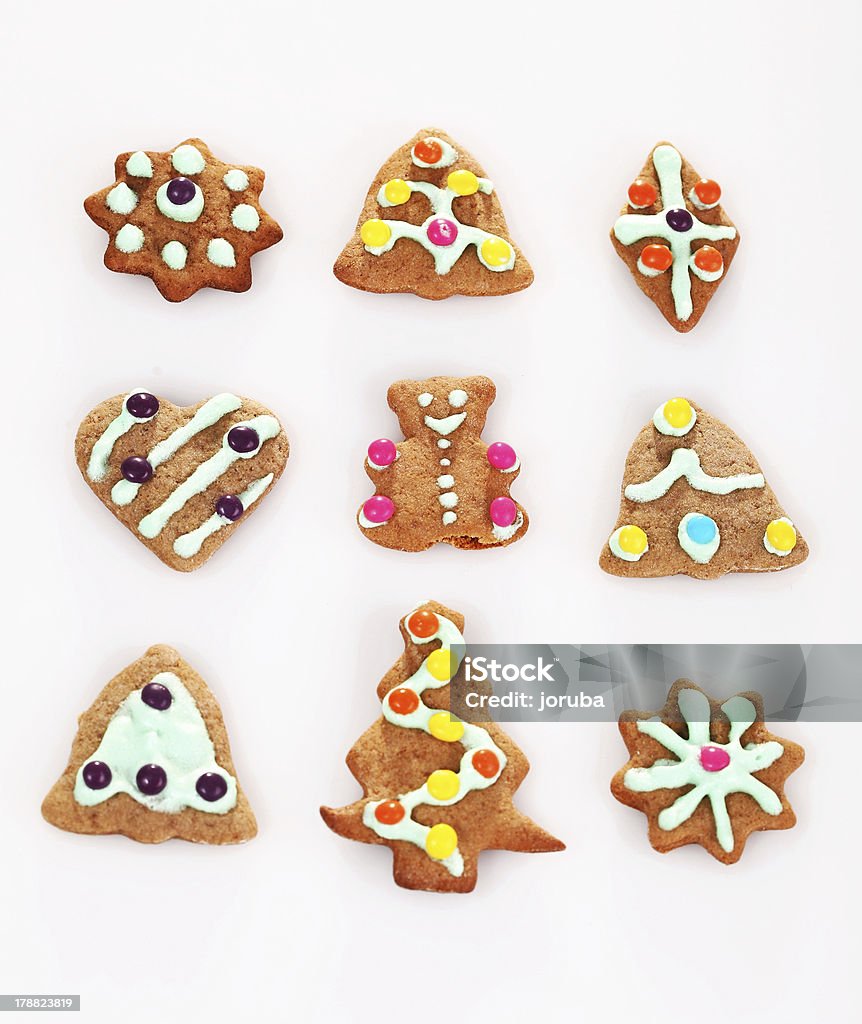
[432, 225]
[695, 501]
[436, 790]
[675, 237]
[705, 771]
[151, 761]
[443, 483]
[184, 218]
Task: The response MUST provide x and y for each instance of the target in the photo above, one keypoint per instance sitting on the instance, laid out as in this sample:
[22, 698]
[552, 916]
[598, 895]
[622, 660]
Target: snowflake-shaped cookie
[185, 219]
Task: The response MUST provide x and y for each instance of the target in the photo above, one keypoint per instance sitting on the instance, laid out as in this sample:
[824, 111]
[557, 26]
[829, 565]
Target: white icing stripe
[447, 424]
[188, 544]
[97, 467]
[206, 473]
[685, 462]
[124, 491]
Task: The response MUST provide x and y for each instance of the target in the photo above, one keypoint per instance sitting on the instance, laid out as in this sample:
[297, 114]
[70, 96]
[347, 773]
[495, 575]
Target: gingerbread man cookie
[443, 483]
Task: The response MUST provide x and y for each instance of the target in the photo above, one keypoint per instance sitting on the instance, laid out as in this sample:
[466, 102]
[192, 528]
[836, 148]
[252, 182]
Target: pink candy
[502, 455]
[713, 759]
[442, 231]
[382, 452]
[503, 511]
[378, 509]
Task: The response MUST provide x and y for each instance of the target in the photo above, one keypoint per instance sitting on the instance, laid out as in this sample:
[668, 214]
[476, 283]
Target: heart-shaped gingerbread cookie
[181, 478]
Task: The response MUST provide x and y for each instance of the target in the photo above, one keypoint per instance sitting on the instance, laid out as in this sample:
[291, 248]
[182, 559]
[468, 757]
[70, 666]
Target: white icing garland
[685, 462]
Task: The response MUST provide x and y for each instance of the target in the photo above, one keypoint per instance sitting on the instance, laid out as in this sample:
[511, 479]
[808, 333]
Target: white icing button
[220, 253]
[186, 213]
[129, 238]
[443, 443]
[449, 518]
[445, 462]
[175, 254]
[425, 399]
[139, 165]
[236, 180]
[121, 199]
[245, 217]
[449, 499]
[457, 398]
[188, 159]
[445, 481]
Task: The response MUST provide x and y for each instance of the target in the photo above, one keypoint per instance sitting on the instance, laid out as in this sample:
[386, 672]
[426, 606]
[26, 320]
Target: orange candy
[403, 701]
[486, 763]
[708, 259]
[428, 151]
[642, 193]
[707, 191]
[423, 624]
[390, 812]
[656, 257]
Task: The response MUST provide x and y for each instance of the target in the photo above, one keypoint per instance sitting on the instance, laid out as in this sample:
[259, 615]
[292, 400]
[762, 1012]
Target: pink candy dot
[378, 509]
[442, 231]
[502, 455]
[713, 759]
[503, 511]
[382, 452]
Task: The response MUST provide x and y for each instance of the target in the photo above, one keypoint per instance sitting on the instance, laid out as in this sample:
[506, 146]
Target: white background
[295, 620]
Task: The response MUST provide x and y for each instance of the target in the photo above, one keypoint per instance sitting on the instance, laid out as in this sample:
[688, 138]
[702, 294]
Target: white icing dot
[220, 252]
[245, 217]
[449, 499]
[139, 165]
[449, 518]
[121, 199]
[425, 399]
[457, 398]
[188, 159]
[129, 238]
[445, 462]
[447, 480]
[236, 180]
[174, 254]
[185, 213]
[443, 443]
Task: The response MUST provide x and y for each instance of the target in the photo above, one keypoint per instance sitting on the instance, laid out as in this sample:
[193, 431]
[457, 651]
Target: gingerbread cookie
[706, 772]
[151, 761]
[436, 790]
[695, 501]
[674, 236]
[432, 225]
[443, 483]
[185, 219]
[181, 479]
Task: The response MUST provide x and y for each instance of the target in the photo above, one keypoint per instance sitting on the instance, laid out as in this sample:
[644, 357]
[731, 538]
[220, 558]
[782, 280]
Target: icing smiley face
[438, 410]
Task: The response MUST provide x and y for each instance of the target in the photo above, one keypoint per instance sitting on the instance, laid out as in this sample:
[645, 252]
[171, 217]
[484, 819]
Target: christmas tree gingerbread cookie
[181, 479]
[185, 219]
[705, 771]
[443, 483]
[674, 236]
[436, 790]
[695, 501]
[432, 225]
[151, 761]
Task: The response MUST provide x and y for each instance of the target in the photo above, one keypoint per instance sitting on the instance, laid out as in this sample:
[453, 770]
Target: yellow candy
[677, 412]
[442, 665]
[465, 183]
[375, 233]
[496, 252]
[781, 535]
[443, 726]
[397, 191]
[632, 540]
[443, 784]
[441, 841]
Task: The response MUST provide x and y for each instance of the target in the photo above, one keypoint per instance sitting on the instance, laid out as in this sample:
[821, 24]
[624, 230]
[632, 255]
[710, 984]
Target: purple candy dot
[142, 405]
[442, 231]
[180, 191]
[97, 775]
[230, 507]
[157, 696]
[679, 219]
[243, 439]
[151, 779]
[136, 469]
[211, 786]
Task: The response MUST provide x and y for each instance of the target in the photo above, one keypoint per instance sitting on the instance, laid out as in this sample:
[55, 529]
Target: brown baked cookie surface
[185, 219]
[675, 237]
[151, 761]
[706, 771]
[181, 478]
[436, 791]
[432, 225]
[442, 484]
[694, 501]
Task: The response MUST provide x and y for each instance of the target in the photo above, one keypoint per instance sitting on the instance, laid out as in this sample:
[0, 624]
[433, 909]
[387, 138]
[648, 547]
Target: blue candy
[701, 529]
